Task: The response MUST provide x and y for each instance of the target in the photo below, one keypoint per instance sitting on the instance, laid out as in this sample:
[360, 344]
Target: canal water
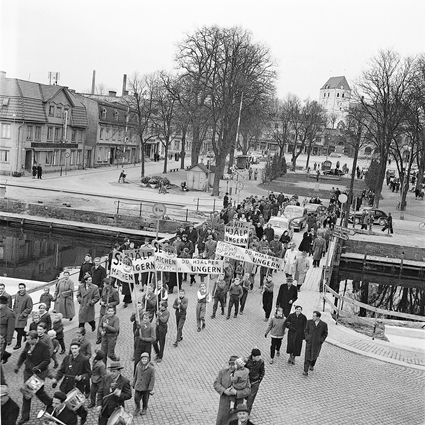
[41, 256]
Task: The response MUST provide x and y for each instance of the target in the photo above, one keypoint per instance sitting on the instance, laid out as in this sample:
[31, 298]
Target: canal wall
[91, 217]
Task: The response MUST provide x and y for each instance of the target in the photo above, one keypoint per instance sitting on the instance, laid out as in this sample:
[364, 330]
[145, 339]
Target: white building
[335, 97]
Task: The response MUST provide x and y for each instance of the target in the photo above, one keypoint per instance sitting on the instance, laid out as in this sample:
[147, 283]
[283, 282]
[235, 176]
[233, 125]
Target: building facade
[40, 125]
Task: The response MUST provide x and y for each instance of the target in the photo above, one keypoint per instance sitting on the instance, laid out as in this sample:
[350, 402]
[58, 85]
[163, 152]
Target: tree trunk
[404, 190]
[166, 155]
[231, 158]
[183, 149]
[220, 163]
[196, 145]
[245, 144]
[308, 155]
[142, 151]
[380, 180]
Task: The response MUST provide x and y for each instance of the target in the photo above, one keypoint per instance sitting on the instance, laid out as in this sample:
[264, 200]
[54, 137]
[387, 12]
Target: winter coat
[38, 358]
[98, 371]
[319, 245]
[144, 377]
[64, 298]
[315, 336]
[109, 404]
[289, 258]
[7, 324]
[286, 294]
[87, 298]
[301, 268]
[85, 268]
[22, 308]
[70, 368]
[296, 325]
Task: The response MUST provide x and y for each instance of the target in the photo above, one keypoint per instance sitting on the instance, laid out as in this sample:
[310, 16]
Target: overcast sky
[309, 40]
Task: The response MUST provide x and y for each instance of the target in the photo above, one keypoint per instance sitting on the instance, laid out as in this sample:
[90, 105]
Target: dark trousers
[267, 303]
[93, 391]
[243, 300]
[233, 301]
[61, 343]
[109, 341]
[180, 320]
[20, 332]
[26, 402]
[92, 323]
[308, 363]
[217, 299]
[251, 398]
[159, 344]
[275, 346]
[142, 396]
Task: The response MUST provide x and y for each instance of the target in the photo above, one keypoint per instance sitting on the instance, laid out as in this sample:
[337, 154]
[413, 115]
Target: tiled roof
[27, 101]
[336, 83]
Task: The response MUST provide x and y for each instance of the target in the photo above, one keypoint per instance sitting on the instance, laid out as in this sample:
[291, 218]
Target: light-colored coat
[290, 257]
[64, 298]
[87, 298]
[22, 309]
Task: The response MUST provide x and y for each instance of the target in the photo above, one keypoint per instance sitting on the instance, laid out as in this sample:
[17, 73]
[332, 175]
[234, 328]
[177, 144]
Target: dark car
[379, 216]
[333, 172]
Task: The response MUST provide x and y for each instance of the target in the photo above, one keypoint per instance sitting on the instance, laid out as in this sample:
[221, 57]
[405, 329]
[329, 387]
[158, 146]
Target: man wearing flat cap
[114, 390]
[221, 385]
[242, 413]
[61, 411]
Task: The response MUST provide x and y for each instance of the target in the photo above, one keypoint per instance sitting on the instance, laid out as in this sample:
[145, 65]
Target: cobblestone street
[344, 388]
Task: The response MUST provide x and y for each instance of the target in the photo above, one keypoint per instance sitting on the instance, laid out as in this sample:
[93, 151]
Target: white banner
[199, 265]
[248, 255]
[237, 233]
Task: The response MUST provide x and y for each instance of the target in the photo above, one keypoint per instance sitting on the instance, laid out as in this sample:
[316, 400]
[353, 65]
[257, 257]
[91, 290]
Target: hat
[116, 366]
[233, 359]
[145, 355]
[4, 390]
[75, 342]
[3, 300]
[59, 395]
[255, 352]
[242, 408]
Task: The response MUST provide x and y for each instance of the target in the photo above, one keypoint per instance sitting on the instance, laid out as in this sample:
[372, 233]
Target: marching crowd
[84, 372]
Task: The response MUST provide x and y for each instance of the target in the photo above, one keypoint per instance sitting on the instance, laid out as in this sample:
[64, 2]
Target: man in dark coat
[36, 356]
[286, 297]
[85, 268]
[113, 391]
[98, 274]
[61, 411]
[296, 324]
[5, 294]
[9, 409]
[221, 385]
[75, 371]
[7, 327]
[315, 333]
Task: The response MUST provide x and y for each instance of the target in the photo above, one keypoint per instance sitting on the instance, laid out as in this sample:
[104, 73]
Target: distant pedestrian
[315, 334]
[87, 297]
[389, 224]
[180, 305]
[122, 177]
[219, 294]
[64, 297]
[235, 294]
[143, 383]
[163, 316]
[256, 174]
[39, 171]
[46, 298]
[319, 247]
[34, 171]
[201, 307]
[226, 200]
[267, 291]
[276, 327]
[295, 323]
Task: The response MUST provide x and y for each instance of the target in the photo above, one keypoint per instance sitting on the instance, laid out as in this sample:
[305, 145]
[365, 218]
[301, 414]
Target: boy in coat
[143, 383]
[22, 309]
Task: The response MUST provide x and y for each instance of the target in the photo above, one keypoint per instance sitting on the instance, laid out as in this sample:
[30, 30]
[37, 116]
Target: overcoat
[285, 295]
[301, 268]
[319, 245]
[223, 382]
[72, 367]
[290, 257]
[109, 404]
[296, 325]
[87, 297]
[22, 309]
[64, 298]
[7, 324]
[315, 336]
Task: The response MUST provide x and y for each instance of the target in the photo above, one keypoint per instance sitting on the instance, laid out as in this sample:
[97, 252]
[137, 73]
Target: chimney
[124, 85]
[112, 93]
[2, 74]
[93, 82]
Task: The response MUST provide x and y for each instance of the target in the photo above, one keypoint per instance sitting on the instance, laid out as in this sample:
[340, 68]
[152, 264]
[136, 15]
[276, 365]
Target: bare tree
[228, 70]
[140, 103]
[381, 91]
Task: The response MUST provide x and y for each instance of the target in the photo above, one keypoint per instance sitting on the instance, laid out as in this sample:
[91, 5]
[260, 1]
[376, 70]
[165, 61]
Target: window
[50, 134]
[55, 158]
[59, 111]
[99, 154]
[73, 135]
[5, 131]
[119, 135]
[37, 135]
[103, 113]
[107, 134]
[58, 133]
[79, 157]
[102, 131]
[79, 135]
[51, 110]
[4, 155]
[114, 133]
[49, 158]
[324, 94]
[116, 115]
[72, 157]
[29, 132]
[177, 145]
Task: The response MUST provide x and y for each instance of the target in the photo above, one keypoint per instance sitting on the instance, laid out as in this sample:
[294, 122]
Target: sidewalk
[353, 341]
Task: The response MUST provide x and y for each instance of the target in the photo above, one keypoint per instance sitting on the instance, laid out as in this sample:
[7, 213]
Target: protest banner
[248, 255]
[237, 233]
[199, 265]
[166, 262]
[122, 270]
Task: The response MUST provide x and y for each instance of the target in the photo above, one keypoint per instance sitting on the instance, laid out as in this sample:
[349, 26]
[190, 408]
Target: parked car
[318, 209]
[379, 216]
[333, 172]
[279, 225]
[300, 215]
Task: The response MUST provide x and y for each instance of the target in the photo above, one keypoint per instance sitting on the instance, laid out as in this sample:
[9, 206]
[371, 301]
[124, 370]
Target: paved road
[345, 388]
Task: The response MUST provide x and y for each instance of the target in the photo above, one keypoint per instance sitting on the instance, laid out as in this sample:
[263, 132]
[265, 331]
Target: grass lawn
[300, 184]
